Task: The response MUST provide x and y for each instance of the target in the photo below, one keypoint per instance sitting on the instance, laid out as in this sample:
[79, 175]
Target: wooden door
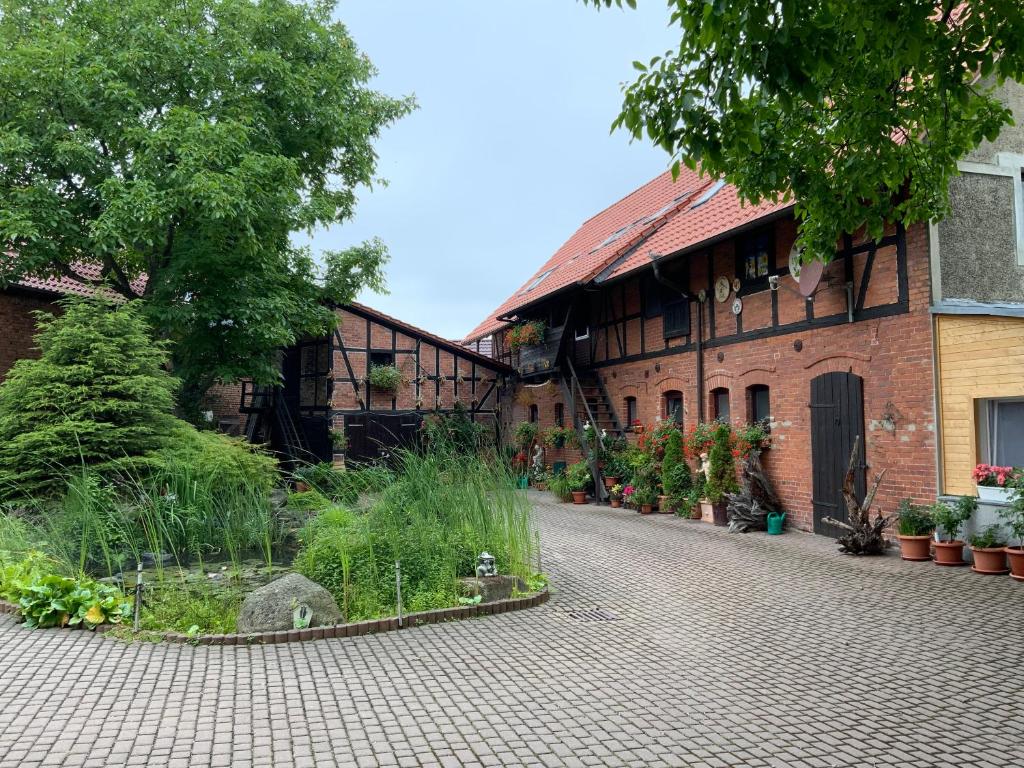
[837, 420]
[374, 436]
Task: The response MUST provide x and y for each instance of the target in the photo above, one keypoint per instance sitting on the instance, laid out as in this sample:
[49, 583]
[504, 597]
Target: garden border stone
[354, 629]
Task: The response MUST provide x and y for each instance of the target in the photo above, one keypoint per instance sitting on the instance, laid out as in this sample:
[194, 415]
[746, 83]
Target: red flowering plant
[699, 439]
[526, 334]
[994, 477]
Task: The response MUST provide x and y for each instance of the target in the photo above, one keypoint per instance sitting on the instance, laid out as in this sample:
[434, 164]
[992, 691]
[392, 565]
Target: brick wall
[892, 354]
[18, 326]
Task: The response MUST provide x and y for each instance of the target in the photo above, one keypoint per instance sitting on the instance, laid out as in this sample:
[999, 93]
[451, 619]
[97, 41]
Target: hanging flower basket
[528, 334]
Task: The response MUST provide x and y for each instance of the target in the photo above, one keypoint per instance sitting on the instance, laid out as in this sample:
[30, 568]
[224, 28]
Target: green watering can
[775, 523]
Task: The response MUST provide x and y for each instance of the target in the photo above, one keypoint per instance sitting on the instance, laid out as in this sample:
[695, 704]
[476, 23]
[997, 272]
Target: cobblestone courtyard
[727, 650]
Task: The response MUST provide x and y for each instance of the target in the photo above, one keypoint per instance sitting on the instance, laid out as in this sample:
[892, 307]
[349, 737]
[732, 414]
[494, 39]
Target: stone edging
[372, 627]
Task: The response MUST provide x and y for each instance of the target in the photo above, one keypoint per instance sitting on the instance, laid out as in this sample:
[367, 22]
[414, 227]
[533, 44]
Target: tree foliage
[97, 395]
[187, 142]
[858, 109]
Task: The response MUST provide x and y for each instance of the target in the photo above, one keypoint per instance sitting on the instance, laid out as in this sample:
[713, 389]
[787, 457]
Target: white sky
[509, 151]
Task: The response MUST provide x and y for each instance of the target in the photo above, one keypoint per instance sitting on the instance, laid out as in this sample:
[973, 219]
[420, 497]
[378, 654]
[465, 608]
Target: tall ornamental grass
[440, 511]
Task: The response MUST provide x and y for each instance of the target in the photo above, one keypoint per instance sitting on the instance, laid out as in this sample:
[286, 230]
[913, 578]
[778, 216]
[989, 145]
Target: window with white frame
[1001, 431]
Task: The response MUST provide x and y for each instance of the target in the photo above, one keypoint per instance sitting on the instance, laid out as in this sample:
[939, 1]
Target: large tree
[187, 142]
[859, 109]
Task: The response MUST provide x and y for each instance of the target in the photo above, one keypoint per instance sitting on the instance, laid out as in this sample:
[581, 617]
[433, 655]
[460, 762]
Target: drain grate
[593, 614]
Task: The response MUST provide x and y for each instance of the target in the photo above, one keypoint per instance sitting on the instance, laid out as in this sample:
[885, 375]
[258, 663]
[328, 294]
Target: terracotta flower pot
[949, 553]
[695, 512]
[707, 511]
[990, 561]
[1016, 557]
[663, 505]
[616, 503]
[609, 482]
[915, 548]
[646, 509]
[579, 497]
[301, 486]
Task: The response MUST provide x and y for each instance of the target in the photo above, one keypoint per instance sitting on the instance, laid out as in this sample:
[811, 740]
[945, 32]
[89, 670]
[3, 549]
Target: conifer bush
[98, 394]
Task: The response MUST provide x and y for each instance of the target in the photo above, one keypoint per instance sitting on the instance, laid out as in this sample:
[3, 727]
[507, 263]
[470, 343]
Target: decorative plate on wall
[794, 261]
[737, 305]
[722, 289]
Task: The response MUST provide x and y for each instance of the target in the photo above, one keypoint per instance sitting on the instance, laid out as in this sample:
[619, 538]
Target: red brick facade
[18, 325]
[772, 343]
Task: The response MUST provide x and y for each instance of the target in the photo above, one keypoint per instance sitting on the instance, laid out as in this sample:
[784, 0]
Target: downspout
[700, 331]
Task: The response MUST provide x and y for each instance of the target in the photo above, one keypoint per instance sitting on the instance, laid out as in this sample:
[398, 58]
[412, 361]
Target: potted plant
[915, 531]
[692, 504]
[614, 471]
[628, 492]
[644, 497]
[615, 495]
[527, 334]
[994, 483]
[1014, 517]
[721, 473]
[385, 378]
[559, 437]
[580, 479]
[676, 478]
[950, 520]
[989, 550]
[525, 434]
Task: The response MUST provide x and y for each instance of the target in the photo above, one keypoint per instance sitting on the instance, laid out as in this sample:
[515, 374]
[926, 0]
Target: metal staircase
[582, 414]
[270, 420]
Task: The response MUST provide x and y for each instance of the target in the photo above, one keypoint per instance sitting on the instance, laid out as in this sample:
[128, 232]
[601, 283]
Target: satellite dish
[810, 276]
[795, 255]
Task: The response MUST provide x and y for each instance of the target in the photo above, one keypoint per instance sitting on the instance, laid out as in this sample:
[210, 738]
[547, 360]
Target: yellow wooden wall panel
[977, 357]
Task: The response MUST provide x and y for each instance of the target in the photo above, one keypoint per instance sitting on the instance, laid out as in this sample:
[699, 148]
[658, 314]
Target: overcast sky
[509, 151]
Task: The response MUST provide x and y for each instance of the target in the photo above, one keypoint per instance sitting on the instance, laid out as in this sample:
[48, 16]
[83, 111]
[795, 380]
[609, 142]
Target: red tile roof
[661, 216]
[60, 286]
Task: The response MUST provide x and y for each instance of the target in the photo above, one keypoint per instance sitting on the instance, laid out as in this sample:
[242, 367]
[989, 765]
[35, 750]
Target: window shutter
[676, 318]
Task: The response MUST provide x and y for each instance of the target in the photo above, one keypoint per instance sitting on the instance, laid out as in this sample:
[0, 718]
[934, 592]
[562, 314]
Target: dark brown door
[375, 436]
[837, 420]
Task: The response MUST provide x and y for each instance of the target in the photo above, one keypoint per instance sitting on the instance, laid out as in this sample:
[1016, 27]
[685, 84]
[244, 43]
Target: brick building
[679, 300]
[324, 384]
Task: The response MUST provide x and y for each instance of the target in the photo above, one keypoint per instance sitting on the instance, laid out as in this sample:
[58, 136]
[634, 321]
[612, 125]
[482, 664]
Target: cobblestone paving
[727, 650]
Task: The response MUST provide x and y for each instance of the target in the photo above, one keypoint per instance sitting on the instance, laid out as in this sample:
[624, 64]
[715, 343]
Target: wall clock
[722, 288]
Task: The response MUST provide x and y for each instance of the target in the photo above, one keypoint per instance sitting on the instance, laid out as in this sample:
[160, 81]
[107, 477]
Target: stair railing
[591, 456]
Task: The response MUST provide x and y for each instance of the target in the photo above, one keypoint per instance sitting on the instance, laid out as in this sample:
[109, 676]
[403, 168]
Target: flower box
[994, 493]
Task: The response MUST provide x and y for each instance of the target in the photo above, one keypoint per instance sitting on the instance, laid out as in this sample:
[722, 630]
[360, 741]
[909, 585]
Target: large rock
[272, 608]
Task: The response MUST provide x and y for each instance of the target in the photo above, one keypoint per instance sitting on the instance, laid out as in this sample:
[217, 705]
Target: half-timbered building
[678, 301]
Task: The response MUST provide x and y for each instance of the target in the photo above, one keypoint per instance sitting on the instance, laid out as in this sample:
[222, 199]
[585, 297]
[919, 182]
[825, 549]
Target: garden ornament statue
[485, 565]
[538, 458]
[705, 465]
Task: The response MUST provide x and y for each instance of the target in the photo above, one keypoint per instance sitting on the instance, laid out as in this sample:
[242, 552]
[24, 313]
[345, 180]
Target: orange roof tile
[661, 216]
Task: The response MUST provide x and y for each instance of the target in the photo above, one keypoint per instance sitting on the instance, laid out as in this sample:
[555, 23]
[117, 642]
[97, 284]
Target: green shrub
[951, 517]
[559, 487]
[99, 393]
[386, 378]
[454, 433]
[991, 537]
[579, 476]
[676, 477]
[722, 465]
[200, 608]
[525, 434]
[436, 516]
[915, 519]
[48, 599]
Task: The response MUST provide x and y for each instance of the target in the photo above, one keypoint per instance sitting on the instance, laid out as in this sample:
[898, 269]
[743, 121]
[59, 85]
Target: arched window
[672, 406]
[631, 417]
[720, 404]
[559, 415]
[758, 404]
[534, 414]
